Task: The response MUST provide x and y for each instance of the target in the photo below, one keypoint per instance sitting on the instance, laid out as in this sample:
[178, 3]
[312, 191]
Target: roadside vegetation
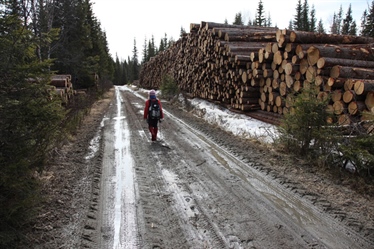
[307, 131]
[169, 87]
[34, 120]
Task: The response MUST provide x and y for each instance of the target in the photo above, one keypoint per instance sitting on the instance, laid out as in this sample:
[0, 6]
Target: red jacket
[146, 108]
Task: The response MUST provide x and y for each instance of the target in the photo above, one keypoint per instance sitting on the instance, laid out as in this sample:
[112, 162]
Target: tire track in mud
[222, 191]
[321, 203]
[240, 148]
[158, 223]
[213, 236]
[193, 226]
[185, 202]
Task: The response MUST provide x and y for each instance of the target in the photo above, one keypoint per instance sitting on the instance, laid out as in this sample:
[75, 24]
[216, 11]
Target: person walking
[153, 113]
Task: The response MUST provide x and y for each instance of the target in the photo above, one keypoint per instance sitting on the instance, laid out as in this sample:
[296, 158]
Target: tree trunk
[351, 72]
[330, 62]
[313, 37]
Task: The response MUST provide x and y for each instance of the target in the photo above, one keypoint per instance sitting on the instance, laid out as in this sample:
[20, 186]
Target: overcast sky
[126, 20]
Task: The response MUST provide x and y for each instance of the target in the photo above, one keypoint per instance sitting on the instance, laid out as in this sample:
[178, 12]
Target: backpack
[154, 110]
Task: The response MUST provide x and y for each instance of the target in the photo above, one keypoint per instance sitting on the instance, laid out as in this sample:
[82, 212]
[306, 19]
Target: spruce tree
[297, 23]
[182, 32]
[135, 63]
[31, 115]
[145, 51]
[313, 20]
[151, 48]
[363, 21]
[117, 72]
[268, 22]
[125, 72]
[320, 28]
[368, 29]
[162, 45]
[353, 28]
[347, 22]
[305, 16]
[260, 18]
[336, 27]
[290, 25]
[238, 19]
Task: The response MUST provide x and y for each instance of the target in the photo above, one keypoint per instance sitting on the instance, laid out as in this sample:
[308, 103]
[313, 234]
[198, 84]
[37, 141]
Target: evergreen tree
[339, 20]
[249, 23]
[145, 52]
[260, 19]
[290, 26]
[347, 22]
[363, 21]
[151, 48]
[42, 16]
[162, 45]
[74, 39]
[313, 20]
[165, 40]
[30, 121]
[130, 71]
[336, 27]
[368, 29]
[320, 28]
[125, 72]
[305, 16]
[297, 23]
[135, 63]
[226, 22]
[97, 58]
[353, 29]
[238, 19]
[268, 22]
[182, 32]
[117, 72]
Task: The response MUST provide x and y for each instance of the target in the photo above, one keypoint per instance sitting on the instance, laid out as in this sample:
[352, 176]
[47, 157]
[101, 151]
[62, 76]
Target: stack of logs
[258, 70]
[63, 86]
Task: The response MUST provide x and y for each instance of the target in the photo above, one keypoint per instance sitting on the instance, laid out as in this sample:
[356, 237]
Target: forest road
[188, 191]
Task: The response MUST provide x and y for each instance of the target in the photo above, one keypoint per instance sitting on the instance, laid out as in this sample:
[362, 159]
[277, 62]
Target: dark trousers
[153, 129]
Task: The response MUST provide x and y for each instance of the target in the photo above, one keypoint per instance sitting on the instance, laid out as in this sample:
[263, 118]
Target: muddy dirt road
[189, 191]
[197, 187]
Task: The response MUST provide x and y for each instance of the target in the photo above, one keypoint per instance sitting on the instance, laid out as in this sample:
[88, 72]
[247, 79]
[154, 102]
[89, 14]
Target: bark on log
[255, 36]
[330, 62]
[313, 37]
[351, 72]
[336, 83]
[341, 51]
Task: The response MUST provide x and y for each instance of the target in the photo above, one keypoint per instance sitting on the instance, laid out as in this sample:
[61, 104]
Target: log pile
[63, 86]
[258, 70]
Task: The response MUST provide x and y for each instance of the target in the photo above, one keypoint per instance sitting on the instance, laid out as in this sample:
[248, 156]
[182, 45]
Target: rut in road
[194, 193]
